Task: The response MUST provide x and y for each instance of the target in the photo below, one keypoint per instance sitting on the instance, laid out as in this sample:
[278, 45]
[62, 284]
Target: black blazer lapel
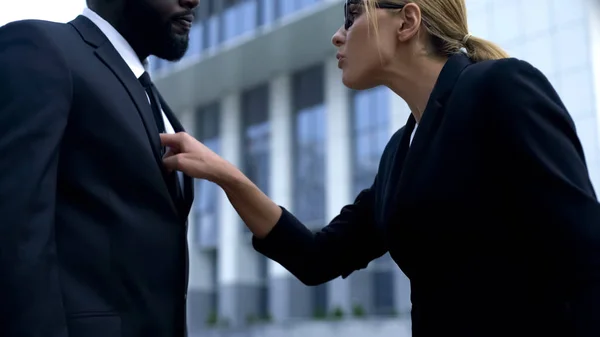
[109, 56]
[188, 182]
[430, 121]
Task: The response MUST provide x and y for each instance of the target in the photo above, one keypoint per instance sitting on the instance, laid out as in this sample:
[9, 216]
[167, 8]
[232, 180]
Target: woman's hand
[191, 157]
[188, 155]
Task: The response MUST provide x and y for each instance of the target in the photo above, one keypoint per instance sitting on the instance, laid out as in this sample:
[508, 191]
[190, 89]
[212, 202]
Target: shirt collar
[118, 41]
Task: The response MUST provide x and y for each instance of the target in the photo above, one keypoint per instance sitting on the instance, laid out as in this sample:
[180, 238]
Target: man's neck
[115, 19]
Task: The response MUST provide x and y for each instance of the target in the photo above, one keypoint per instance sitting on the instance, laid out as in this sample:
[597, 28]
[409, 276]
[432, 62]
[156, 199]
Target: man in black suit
[89, 248]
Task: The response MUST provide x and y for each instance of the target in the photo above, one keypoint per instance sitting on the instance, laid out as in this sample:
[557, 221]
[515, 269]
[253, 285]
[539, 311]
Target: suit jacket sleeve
[35, 96]
[544, 144]
[348, 243]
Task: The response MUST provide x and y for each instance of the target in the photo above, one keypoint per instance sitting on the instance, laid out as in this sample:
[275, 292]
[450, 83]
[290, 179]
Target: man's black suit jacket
[490, 212]
[92, 237]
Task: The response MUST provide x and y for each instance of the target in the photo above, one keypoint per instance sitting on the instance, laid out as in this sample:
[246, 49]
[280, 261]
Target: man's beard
[157, 35]
[169, 45]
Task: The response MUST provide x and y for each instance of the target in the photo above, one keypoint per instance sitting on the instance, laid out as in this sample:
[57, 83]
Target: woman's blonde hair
[446, 23]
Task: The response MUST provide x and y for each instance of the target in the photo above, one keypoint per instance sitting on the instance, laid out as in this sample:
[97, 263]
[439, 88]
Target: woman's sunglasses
[351, 6]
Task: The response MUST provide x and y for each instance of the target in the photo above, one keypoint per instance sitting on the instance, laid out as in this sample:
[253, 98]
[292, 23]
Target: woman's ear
[411, 22]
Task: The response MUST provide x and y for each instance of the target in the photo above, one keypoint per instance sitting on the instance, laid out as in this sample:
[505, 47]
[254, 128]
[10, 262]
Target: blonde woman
[483, 198]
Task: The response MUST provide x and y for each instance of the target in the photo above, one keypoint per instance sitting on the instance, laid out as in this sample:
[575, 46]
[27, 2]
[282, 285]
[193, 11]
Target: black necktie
[154, 102]
[160, 124]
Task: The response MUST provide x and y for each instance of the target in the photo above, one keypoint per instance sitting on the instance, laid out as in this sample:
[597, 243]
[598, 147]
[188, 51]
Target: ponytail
[479, 49]
[446, 23]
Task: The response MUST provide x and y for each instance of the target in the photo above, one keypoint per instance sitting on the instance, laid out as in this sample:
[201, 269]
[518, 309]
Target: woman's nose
[339, 38]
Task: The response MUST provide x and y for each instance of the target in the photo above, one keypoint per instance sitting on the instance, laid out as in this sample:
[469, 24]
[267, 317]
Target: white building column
[280, 180]
[339, 146]
[201, 270]
[237, 271]
[287, 296]
[338, 165]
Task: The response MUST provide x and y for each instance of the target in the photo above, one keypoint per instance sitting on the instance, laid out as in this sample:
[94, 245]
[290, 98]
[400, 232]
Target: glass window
[538, 16]
[383, 292]
[306, 3]
[577, 55]
[383, 273]
[320, 301]
[576, 91]
[506, 23]
[208, 20]
[256, 165]
[309, 146]
[206, 202]
[212, 32]
[238, 17]
[287, 7]
[266, 11]
[478, 14]
[370, 134]
[230, 20]
[249, 15]
[309, 157]
[564, 15]
[309, 168]
[538, 52]
[263, 300]
[256, 136]
[370, 129]
[196, 40]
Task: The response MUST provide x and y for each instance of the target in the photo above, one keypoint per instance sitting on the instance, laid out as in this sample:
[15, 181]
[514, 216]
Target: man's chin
[174, 50]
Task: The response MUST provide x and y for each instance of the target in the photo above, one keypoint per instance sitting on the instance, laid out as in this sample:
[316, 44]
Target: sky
[52, 10]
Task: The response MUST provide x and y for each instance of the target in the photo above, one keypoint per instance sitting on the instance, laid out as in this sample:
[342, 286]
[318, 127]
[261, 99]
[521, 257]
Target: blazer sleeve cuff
[286, 231]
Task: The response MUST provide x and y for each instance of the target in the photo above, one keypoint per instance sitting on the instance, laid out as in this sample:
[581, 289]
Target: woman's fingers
[185, 163]
[174, 162]
[170, 152]
[175, 141]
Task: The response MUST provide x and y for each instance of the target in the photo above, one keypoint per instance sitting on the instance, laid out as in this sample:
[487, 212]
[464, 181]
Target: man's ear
[411, 22]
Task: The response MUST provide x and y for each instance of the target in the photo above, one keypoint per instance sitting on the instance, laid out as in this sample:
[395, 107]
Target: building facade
[260, 86]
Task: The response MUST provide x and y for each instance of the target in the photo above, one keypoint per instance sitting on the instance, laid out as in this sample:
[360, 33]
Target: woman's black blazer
[490, 212]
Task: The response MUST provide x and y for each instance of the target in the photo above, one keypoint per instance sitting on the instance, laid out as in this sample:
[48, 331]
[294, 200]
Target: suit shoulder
[503, 70]
[38, 32]
[39, 27]
[34, 35]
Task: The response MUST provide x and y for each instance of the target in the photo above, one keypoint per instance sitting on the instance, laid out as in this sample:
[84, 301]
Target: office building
[260, 86]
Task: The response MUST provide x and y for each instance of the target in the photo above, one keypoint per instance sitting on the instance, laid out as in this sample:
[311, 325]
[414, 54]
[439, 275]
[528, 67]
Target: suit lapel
[111, 58]
[429, 124]
[105, 51]
[188, 182]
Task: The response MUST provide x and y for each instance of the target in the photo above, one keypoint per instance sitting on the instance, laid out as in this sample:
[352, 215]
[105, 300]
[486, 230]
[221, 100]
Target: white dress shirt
[129, 56]
[412, 135]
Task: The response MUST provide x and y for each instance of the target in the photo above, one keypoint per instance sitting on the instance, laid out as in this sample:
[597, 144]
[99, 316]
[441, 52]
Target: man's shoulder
[34, 30]
[38, 26]
[36, 37]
